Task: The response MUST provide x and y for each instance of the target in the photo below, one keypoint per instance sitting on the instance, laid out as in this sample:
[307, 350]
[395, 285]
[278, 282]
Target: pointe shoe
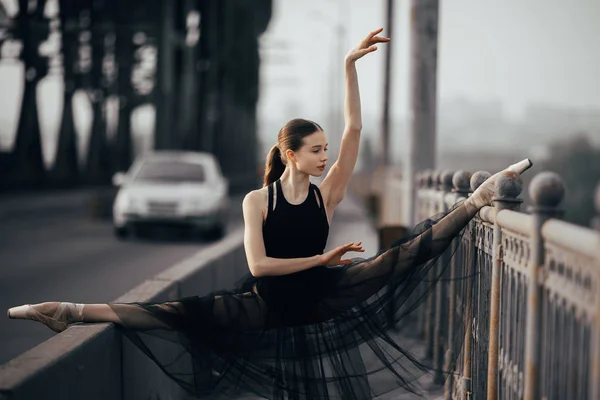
[64, 315]
[485, 192]
[521, 166]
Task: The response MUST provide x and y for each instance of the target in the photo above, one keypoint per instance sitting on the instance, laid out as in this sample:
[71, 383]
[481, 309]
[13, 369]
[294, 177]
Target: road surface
[73, 258]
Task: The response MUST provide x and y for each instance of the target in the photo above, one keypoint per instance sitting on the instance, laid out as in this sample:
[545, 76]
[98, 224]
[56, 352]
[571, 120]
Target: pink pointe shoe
[56, 318]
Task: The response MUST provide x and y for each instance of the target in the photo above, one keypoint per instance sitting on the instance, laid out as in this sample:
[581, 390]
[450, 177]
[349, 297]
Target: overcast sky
[516, 51]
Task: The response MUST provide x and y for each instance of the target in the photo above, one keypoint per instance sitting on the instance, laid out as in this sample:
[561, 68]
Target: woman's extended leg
[240, 311]
[59, 315]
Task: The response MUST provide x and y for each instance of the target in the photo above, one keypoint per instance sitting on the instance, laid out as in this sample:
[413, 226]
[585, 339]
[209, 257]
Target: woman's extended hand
[334, 257]
[367, 45]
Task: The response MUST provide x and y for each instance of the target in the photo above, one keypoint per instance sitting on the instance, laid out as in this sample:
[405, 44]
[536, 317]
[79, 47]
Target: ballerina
[303, 323]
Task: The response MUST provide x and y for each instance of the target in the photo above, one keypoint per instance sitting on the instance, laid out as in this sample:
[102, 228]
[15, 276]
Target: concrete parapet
[97, 362]
[84, 362]
[141, 377]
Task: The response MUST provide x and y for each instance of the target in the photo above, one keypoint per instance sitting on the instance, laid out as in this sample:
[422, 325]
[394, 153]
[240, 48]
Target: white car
[171, 188]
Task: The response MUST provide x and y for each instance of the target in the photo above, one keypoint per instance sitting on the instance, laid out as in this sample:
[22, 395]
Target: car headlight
[127, 203]
[202, 204]
[195, 205]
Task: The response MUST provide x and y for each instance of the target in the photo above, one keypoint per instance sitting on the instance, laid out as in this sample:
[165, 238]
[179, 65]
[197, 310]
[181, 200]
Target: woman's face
[311, 158]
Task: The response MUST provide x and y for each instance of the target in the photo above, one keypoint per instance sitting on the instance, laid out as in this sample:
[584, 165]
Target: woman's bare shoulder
[258, 199]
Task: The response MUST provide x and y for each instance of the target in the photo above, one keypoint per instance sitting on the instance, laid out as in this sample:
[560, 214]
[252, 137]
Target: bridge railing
[520, 315]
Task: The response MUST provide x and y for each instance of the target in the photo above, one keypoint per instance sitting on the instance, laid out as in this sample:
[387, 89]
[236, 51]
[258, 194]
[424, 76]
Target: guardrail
[527, 326]
[96, 362]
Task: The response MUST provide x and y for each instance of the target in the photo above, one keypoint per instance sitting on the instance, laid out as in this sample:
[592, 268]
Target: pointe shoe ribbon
[65, 314]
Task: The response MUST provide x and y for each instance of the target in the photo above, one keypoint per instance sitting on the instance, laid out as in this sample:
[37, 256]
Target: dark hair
[290, 137]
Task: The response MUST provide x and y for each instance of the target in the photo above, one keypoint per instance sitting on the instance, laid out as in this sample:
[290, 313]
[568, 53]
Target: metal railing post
[441, 311]
[508, 188]
[461, 183]
[467, 387]
[430, 304]
[426, 186]
[547, 191]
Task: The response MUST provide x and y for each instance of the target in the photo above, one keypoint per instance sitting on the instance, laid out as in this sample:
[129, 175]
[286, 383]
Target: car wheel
[121, 232]
[217, 232]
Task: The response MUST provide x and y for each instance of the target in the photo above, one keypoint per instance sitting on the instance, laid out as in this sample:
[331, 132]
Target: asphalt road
[73, 258]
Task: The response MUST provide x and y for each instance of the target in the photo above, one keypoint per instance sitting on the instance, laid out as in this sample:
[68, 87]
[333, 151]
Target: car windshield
[170, 171]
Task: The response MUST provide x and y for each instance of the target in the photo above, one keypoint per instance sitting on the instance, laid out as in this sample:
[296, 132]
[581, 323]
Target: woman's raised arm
[334, 185]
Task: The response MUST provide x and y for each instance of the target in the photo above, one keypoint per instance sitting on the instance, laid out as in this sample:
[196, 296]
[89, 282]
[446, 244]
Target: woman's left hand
[367, 45]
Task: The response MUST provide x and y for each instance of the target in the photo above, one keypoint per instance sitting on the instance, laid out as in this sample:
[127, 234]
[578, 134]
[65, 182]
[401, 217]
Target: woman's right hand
[366, 46]
[334, 257]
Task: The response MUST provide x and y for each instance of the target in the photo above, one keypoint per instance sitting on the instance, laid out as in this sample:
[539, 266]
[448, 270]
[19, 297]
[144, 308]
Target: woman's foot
[56, 316]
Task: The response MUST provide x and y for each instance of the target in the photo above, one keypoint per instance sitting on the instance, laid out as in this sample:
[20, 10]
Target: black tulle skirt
[323, 333]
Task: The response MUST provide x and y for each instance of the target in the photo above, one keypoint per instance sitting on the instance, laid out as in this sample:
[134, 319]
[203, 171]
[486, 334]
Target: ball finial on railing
[446, 180]
[435, 176]
[478, 178]
[461, 181]
[508, 187]
[419, 182]
[428, 178]
[547, 190]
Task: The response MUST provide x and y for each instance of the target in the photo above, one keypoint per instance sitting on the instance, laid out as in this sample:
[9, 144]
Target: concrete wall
[96, 362]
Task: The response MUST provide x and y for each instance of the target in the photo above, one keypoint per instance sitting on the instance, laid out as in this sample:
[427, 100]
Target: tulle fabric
[327, 339]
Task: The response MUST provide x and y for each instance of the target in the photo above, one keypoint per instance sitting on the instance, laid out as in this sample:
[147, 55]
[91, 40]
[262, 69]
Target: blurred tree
[135, 46]
[232, 109]
[577, 161]
[189, 27]
[4, 22]
[98, 163]
[121, 146]
[208, 82]
[65, 171]
[166, 78]
[31, 29]
[5, 156]
[197, 58]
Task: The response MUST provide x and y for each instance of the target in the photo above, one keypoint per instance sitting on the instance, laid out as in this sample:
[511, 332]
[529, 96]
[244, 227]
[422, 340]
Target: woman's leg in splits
[242, 311]
[59, 315]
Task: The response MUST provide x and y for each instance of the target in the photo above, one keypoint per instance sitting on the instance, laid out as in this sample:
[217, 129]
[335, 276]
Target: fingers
[368, 50]
[354, 244]
[379, 39]
[367, 45]
[350, 247]
[354, 247]
[373, 33]
[372, 38]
